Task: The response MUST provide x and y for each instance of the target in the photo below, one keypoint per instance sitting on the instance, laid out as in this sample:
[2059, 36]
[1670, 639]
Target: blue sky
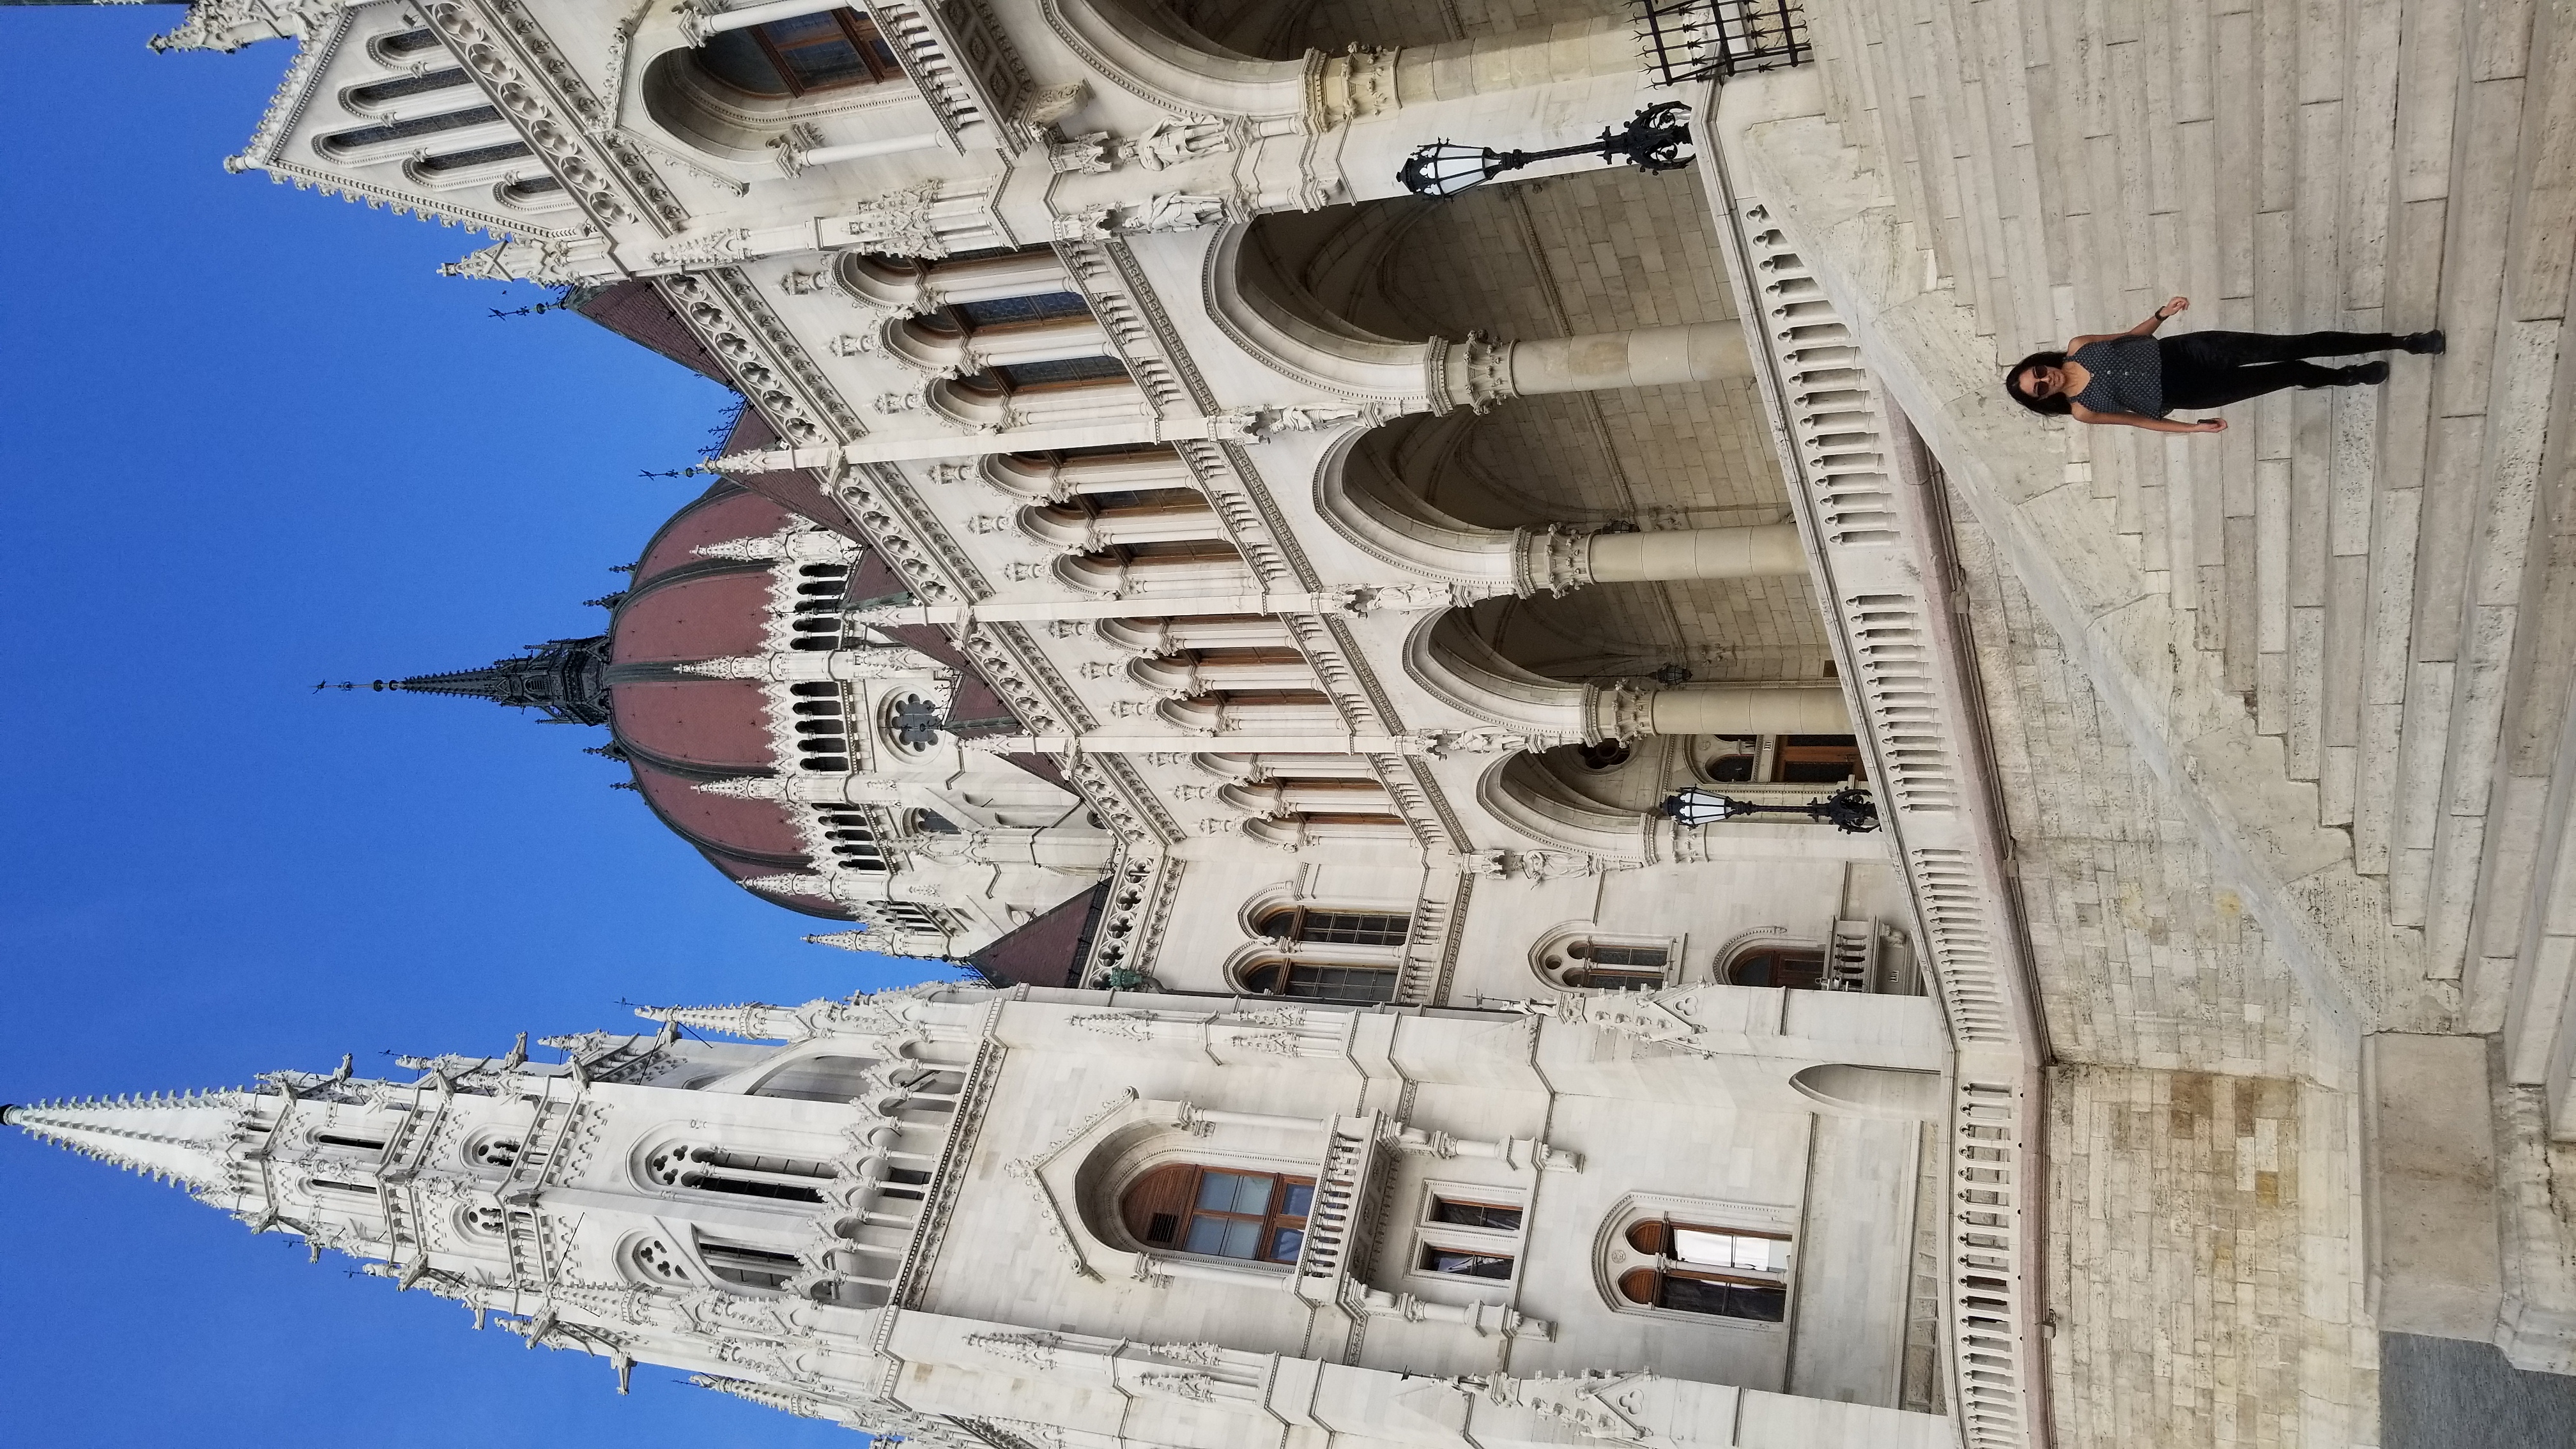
[257, 442]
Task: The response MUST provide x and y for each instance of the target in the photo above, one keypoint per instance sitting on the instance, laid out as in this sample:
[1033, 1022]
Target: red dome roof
[722, 514]
[688, 616]
[715, 726]
[748, 828]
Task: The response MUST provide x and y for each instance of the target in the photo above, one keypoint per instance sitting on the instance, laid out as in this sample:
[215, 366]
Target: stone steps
[2353, 560]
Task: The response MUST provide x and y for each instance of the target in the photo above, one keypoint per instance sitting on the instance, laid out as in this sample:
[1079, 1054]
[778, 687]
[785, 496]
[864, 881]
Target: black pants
[2212, 369]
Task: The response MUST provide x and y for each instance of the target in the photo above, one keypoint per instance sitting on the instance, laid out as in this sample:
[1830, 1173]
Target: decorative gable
[377, 107]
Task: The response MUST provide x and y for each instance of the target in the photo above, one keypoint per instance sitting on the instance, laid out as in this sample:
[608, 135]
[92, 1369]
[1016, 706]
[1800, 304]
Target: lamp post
[1651, 141]
[1849, 809]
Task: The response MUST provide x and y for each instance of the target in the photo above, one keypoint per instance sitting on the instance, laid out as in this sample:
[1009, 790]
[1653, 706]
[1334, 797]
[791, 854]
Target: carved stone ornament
[1407, 598]
[559, 139]
[721, 247]
[1555, 557]
[1088, 154]
[547, 263]
[1050, 104]
[1037, 1350]
[1169, 211]
[1176, 140]
[1131, 1025]
[1195, 1387]
[1259, 425]
[896, 224]
[228, 25]
[1482, 740]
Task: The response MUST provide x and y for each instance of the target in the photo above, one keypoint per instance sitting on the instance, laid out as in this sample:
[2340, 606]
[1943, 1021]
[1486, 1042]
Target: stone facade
[1148, 513]
[983, 1218]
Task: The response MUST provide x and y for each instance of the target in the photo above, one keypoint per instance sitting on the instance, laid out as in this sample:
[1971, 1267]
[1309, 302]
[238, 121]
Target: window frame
[1563, 959]
[1273, 1220]
[858, 30]
[1777, 947]
[1658, 1267]
[1433, 1236]
[1299, 914]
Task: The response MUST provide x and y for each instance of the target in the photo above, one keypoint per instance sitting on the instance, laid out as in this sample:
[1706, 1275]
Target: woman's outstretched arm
[2156, 319]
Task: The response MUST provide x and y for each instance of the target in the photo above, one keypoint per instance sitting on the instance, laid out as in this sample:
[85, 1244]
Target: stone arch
[1154, 55]
[1516, 792]
[1446, 656]
[1359, 491]
[1846, 1090]
[1258, 302]
[687, 101]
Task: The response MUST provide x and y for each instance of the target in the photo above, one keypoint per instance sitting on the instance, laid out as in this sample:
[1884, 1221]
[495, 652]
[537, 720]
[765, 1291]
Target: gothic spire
[566, 678]
[192, 1139]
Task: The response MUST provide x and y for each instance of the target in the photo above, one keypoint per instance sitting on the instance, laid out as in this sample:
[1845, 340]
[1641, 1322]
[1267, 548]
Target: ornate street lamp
[1850, 808]
[1651, 141]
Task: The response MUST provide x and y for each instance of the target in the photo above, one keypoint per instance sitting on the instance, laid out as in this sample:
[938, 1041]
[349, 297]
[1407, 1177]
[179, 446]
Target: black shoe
[2425, 342]
[2365, 373]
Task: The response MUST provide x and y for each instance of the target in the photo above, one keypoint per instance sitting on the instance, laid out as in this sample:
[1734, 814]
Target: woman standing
[2134, 378]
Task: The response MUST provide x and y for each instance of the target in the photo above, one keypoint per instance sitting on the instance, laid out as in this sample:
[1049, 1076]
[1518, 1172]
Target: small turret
[196, 1140]
[566, 678]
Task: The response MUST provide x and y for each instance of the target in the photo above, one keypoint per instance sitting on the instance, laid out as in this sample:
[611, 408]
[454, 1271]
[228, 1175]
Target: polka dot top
[2128, 376]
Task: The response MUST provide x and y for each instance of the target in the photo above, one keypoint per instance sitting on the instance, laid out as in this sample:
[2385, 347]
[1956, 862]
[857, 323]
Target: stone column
[1625, 712]
[797, 153]
[1560, 557]
[698, 27]
[1478, 374]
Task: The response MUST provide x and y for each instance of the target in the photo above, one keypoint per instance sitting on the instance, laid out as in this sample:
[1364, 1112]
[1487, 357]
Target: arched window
[745, 1266]
[655, 1262]
[383, 92]
[1715, 1271]
[1590, 965]
[339, 144]
[851, 835]
[741, 1174]
[497, 1150]
[1800, 968]
[483, 1222]
[825, 51]
[351, 1141]
[1731, 768]
[817, 1079]
[1313, 981]
[1324, 926]
[1219, 1212]
[1334, 954]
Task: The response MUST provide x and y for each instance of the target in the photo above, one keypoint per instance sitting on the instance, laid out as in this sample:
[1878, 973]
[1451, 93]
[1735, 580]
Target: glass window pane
[1476, 1215]
[1694, 1295]
[1729, 1250]
[1251, 1194]
[1216, 1190]
[1466, 1265]
[1045, 306]
[1207, 1236]
[1285, 1244]
[825, 63]
[820, 25]
[1242, 1239]
[1299, 1201]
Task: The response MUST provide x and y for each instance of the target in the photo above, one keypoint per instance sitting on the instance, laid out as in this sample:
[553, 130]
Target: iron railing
[1686, 41]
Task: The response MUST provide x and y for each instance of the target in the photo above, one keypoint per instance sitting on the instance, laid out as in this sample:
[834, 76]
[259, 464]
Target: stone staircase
[2362, 603]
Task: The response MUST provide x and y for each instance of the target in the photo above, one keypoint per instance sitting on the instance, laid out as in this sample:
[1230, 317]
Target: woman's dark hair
[2057, 406]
